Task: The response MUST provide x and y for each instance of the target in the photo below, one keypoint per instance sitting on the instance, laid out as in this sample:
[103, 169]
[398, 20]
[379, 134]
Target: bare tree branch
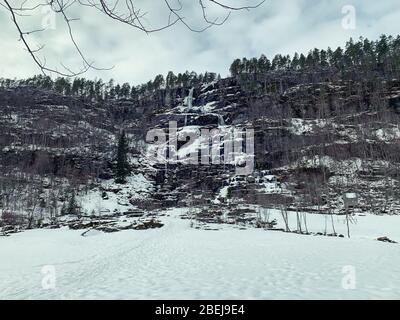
[123, 11]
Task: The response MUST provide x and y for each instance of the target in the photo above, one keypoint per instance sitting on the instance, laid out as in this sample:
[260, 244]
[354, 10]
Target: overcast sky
[278, 26]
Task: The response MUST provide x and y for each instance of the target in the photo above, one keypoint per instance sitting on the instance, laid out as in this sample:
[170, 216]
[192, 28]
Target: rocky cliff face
[313, 140]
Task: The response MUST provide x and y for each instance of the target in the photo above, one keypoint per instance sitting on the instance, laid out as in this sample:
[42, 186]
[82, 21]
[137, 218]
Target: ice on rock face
[190, 99]
[221, 121]
[188, 104]
[187, 109]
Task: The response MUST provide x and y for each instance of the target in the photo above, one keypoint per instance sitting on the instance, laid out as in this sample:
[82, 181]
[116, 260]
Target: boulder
[152, 224]
[385, 239]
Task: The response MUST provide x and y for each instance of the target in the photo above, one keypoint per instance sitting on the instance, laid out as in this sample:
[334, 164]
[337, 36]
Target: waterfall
[221, 121]
[185, 119]
[190, 99]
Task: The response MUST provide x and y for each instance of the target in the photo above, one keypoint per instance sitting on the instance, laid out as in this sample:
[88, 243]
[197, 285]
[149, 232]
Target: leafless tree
[285, 217]
[128, 12]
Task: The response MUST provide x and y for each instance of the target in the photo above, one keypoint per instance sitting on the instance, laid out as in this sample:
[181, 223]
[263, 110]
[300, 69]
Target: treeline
[380, 55]
[99, 90]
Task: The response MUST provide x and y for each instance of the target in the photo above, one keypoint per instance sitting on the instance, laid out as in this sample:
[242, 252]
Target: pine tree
[122, 167]
[134, 93]
[234, 68]
[117, 91]
[302, 61]
[158, 81]
[72, 207]
[171, 79]
[125, 90]
[295, 61]
[63, 210]
[324, 59]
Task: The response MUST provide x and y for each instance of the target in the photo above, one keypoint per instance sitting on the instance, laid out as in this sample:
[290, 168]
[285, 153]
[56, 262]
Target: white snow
[388, 134]
[179, 262]
[137, 187]
[301, 126]
[209, 107]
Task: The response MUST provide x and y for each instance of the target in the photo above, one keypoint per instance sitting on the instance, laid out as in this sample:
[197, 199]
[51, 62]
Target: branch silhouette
[126, 12]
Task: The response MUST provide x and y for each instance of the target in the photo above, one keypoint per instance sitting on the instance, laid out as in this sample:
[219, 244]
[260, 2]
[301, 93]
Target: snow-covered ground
[179, 262]
[137, 187]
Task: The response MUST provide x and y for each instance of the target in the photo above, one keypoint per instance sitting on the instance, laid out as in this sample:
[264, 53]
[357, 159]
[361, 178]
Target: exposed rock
[385, 239]
[152, 224]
